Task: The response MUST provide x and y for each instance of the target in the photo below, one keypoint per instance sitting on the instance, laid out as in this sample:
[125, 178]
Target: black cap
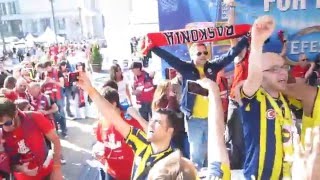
[136, 65]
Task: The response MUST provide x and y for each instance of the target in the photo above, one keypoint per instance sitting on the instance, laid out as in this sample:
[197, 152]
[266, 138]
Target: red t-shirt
[145, 82]
[43, 103]
[26, 144]
[298, 71]
[240, 73]
[23, 95]
[118, 155]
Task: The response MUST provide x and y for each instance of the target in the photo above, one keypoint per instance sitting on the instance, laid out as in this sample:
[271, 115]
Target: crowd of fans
[179, 134]
[266, 127]
[36, 99]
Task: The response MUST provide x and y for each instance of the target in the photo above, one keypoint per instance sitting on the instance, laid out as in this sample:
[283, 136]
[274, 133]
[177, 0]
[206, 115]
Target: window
[45, 22]
[3, 10]
[12, 8]
[34, 26]
[61, 23]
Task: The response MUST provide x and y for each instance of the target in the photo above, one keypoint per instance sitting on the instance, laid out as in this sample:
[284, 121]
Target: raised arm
[231, 19]
[172, 60]
[218, 159]
[310, 70]
[261, 31]
[107, 110]
[228, 57]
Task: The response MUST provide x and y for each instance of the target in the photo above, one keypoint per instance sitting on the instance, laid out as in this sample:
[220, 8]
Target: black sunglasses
[204, 53]
[8, 123]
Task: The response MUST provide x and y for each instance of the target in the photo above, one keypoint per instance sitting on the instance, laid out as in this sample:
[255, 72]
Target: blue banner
[178, 14]
[299, 19]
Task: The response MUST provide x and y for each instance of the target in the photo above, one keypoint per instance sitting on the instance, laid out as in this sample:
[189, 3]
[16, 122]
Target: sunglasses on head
[8, 123]
[204, 53]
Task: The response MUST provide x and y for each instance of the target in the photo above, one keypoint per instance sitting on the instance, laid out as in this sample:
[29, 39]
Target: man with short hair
[21, 89]
[43, 103]
[143, 89]
[117, 155]
[149, 147]
[24, 134]
[195, 107]
[266, 117]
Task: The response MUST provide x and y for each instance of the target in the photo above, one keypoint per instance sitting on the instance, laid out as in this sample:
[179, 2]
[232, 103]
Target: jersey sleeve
[136, 139]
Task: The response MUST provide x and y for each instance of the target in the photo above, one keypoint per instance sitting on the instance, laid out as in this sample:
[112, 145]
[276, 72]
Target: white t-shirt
[122, 85]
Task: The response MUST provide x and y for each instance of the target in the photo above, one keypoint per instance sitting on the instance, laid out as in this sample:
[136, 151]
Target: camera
[73, 77]
[195, 88]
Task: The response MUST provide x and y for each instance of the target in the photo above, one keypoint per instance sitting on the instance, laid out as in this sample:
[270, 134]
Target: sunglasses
[8, 123]
[304, 59]
[204, 53]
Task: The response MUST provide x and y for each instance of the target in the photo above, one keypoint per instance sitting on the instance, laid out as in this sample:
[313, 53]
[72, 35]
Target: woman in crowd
[64, 72]
[116, 74]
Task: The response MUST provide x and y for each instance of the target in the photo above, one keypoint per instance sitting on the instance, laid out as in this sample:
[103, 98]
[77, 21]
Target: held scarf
[283, 120]
[82, 102]
[183, 36]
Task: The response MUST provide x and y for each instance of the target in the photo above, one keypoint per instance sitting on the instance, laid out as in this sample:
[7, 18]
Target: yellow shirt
[314, 120]
[201, 103]
[143, 154]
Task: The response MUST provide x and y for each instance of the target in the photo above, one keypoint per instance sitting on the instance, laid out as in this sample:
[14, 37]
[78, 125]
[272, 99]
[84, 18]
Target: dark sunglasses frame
[204, 53]
[7, 123]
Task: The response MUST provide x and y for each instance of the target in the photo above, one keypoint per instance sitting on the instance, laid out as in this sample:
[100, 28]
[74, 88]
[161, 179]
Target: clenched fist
[262, 30]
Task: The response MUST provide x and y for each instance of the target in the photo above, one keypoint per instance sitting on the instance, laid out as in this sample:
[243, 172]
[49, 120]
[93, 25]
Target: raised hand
[262, 30]
[84, 81]
[307, 158]
[145, 45]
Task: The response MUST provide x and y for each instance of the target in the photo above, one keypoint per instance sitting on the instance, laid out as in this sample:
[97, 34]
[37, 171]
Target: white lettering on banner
[267, 4]
[297, 47]
[294, 47]
[224, 12]
[295, 4]
[313, 46]
[284, 5]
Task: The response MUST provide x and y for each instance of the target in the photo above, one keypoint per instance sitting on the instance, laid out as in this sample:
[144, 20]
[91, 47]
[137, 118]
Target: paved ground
[77, 146]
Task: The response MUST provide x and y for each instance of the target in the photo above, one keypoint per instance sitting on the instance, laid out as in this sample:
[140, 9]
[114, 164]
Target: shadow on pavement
[76, 146]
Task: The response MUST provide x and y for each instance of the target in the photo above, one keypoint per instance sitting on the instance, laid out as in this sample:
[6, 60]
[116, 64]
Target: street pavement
[77, 147]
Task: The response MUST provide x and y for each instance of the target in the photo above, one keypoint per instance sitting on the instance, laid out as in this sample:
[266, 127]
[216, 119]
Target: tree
[96, 57]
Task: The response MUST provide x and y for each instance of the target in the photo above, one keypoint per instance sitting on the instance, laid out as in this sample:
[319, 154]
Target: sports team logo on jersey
[271, 114]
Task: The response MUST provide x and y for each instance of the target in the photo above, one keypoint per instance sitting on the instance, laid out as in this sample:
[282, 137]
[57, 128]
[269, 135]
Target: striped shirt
[263, 138]
[144, 157]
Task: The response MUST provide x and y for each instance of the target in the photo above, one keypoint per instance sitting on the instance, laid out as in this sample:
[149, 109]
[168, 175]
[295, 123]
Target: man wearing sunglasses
[23, 133]
[195, 107]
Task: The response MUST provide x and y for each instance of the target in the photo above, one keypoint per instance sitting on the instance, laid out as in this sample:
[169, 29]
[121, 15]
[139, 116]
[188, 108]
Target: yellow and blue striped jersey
[314, 120]
[262, 137]
[144, 156]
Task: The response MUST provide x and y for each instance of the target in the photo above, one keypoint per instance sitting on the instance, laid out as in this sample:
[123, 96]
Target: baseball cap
[136, 65]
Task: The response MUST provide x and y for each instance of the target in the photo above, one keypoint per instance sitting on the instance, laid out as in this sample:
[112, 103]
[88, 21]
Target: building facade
[75, 19]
